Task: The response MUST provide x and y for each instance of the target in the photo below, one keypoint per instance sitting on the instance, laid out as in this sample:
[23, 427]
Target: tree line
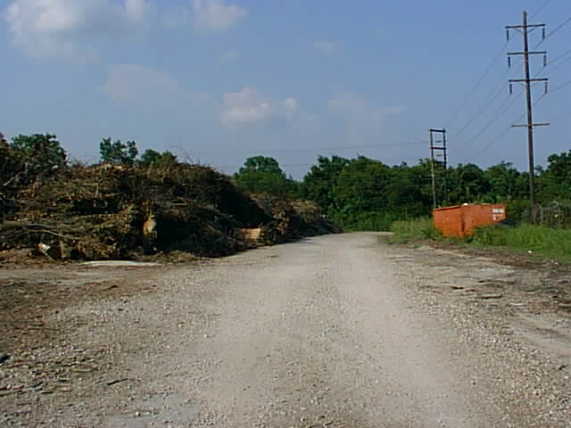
[366, 194]
[357, 193]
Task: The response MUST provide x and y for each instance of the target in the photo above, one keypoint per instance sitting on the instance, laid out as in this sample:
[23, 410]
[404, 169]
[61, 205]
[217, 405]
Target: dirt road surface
[335, 331]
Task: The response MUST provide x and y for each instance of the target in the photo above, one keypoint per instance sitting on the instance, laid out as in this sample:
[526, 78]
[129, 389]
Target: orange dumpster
[461, 220]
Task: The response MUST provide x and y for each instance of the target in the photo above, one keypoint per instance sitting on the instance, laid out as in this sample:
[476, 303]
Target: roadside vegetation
[527, 239]
[420, 229]
[554, 243]
[366, 194]
[41, 186]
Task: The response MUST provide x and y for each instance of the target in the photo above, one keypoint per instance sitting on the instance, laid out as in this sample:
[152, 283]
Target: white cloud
[229, 56]
[215, 15]
[248, 107]
[46, 28]
[136, 9]
[289, 107]
[134, 84]
[244, 107]
[354, 106]
[72, 29]
[326, 47]
[360, 117]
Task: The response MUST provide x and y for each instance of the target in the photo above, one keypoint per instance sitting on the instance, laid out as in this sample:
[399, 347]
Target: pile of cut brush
[118, 212]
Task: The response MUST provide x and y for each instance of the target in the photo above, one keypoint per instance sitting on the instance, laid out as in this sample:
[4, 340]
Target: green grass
[414, 230]
[539, 240]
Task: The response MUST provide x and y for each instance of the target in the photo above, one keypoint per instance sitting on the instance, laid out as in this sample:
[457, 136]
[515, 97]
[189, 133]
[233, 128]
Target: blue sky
[217, 81]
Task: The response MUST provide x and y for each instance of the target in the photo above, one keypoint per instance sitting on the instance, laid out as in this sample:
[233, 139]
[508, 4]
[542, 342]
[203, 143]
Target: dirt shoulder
[30, 291]
[530, 296]
[539, 284]
[41, 357]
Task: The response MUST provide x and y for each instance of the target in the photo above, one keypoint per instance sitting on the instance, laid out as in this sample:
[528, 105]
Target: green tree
[421, 175]
[319, 183]
[361, 194]
[505, 182]
[40, 154]
[261, 164]
[468, 183]
[362, 186]
[117, 152]
[407, 193]
[153, 158]
[262, 174]
[555, 181]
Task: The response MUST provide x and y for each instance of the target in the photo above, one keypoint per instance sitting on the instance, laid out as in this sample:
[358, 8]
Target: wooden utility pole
[438, 153]
[525, 29]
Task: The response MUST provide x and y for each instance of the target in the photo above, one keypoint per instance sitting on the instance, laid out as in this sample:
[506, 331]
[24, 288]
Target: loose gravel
[336, 331]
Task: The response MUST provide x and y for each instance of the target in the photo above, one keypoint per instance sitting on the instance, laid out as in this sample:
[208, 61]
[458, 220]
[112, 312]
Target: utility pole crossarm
[533, 125]
[523, 27]
[527, 28]
[542, 79]
[528, 53]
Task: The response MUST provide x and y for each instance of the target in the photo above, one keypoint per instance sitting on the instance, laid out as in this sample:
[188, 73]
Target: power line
[291, 165]
[563, 85]
[537, 101]
[340, 148]
[498, 114]
[485, 105]
[495, 94]
[541, 8]
[506, 130]
[285, 165]
[558, 28]
[367, 146]
[483, 108]
[370, 146]
[555, 30]
[504, 108]
[559, 58]
[479, 81]
[495, 58]
[495, 139]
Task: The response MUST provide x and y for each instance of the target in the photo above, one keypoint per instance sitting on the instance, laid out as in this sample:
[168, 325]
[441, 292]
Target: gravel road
[335, 331]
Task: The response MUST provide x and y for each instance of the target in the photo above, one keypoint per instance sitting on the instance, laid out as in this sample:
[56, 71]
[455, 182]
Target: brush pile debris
[118, 212]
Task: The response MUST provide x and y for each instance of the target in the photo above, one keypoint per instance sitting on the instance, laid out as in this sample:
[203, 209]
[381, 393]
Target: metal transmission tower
[438, 155]
[525, 29]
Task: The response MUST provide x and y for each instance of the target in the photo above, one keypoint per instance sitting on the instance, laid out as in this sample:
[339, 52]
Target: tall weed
[412, 230]
[540, 240]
